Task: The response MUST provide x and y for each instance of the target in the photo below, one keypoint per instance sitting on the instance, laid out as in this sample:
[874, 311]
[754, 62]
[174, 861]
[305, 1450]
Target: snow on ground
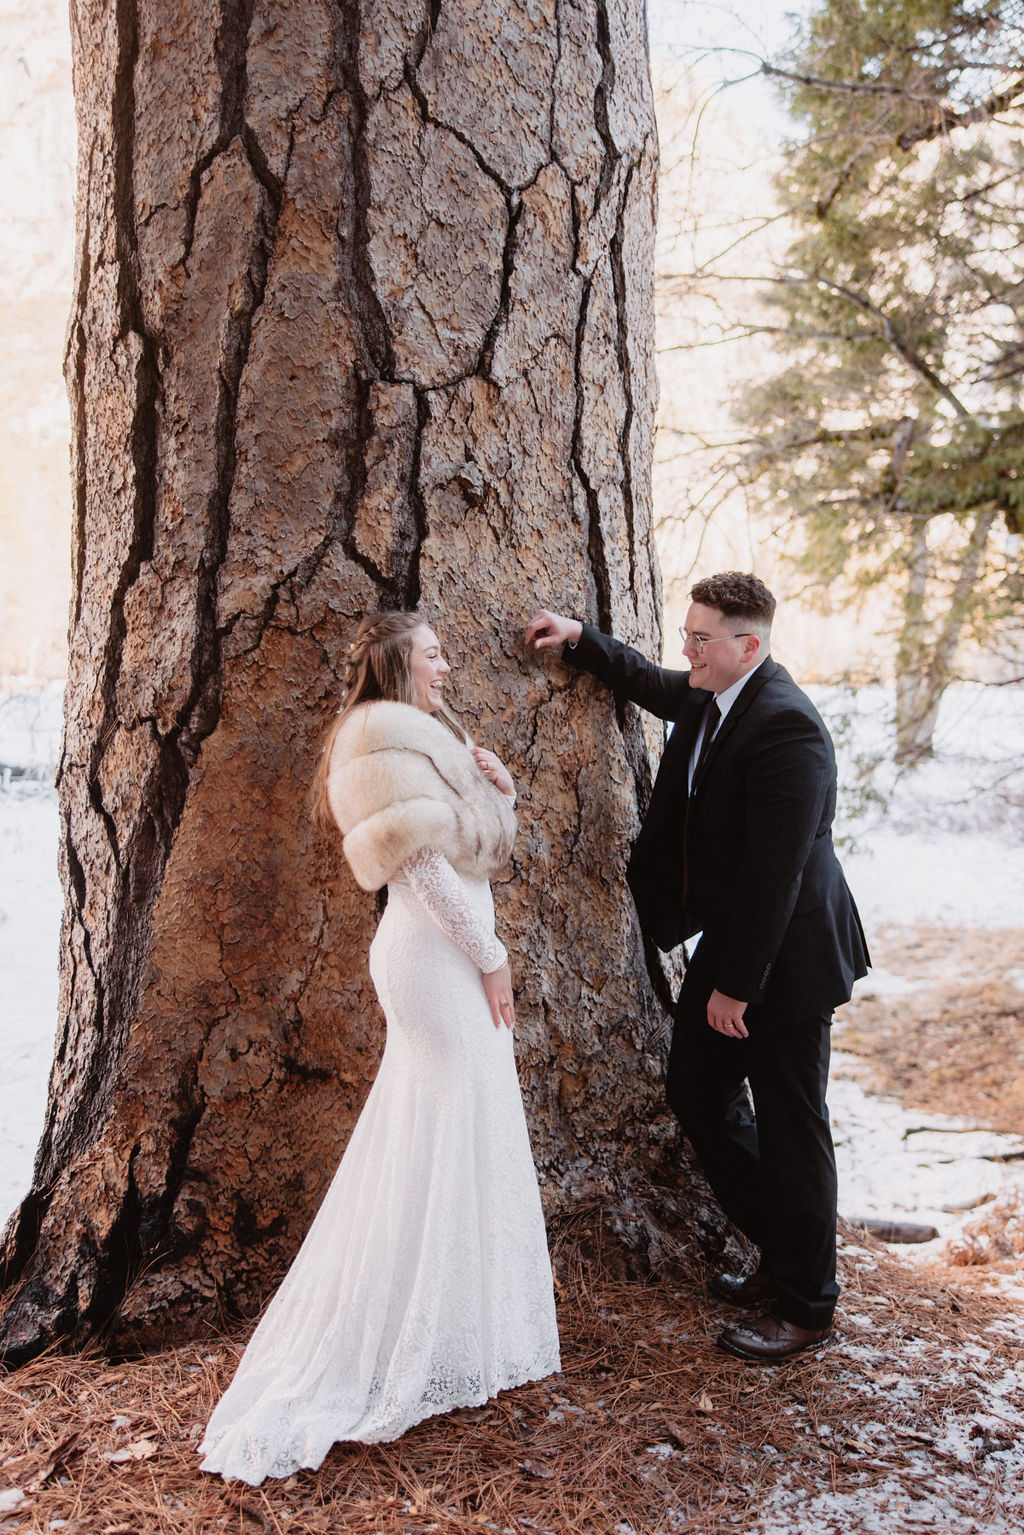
[948, 851]
[930, 1170]
[30, 910]
[948, 879]
[944, 844]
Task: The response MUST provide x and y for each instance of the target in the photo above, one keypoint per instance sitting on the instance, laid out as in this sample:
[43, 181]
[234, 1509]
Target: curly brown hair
[737, 594]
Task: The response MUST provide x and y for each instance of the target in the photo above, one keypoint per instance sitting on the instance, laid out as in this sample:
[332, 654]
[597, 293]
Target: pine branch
[844, 87]
[945, 120]
[903, 348]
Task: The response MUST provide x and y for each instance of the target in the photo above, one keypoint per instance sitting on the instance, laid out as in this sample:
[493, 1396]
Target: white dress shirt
[725, 701]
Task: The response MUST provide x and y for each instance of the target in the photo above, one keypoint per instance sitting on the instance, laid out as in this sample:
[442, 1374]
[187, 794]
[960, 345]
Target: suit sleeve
[787, 781]
[658, 689]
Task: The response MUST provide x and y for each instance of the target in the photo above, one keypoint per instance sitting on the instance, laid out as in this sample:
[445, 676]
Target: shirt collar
[726, 699]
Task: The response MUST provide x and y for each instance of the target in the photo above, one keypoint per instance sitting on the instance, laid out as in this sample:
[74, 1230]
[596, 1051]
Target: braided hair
[377, 666]
[378, 659]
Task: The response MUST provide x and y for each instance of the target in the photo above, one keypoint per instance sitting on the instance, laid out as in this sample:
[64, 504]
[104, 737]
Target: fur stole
[400, 781]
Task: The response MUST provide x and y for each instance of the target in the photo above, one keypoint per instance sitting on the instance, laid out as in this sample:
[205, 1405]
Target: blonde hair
[377, 667]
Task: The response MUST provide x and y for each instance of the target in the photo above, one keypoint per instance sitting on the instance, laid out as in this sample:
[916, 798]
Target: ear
[753, 647]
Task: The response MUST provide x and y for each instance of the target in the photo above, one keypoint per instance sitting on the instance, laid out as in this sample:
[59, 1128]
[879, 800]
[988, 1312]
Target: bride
[424, 1283]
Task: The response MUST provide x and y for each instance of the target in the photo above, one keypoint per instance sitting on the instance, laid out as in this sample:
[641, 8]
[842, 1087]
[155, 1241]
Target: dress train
[424, 1283]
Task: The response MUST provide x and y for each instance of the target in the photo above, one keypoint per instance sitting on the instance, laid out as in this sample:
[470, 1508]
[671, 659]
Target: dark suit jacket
[760, 876]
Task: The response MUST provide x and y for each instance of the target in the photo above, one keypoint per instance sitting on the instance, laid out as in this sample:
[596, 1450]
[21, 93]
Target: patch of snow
[943, 844]
[973, 783]
[30, 910]
[885, 983]
[945, 879]
[891, 1164]
[30, 730]
[881, 1505]
[908, 1472]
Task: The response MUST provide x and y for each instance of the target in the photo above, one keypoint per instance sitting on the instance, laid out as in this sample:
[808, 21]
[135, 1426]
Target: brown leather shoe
[743, 1289]
[766, 1339]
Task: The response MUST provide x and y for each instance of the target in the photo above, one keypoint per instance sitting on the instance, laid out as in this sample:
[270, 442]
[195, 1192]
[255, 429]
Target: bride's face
[427, 668]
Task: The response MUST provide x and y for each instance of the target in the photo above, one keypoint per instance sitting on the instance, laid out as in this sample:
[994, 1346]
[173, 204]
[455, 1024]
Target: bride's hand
[498, 986]
[494, 770]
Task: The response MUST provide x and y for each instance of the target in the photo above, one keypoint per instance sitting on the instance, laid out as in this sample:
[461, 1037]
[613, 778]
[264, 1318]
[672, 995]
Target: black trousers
[772, 1168]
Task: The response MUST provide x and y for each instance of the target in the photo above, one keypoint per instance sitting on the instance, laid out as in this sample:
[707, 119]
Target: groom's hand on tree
[546, 630]
[725, 1015]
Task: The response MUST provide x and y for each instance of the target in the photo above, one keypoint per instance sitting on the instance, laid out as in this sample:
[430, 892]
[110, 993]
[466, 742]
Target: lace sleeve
[436, 884]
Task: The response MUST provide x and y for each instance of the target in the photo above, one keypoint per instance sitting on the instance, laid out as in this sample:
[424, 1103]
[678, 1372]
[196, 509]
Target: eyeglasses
[700, 640]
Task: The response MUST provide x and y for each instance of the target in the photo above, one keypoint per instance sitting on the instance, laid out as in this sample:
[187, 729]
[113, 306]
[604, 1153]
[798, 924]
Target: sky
[742, 28]
[725, 40]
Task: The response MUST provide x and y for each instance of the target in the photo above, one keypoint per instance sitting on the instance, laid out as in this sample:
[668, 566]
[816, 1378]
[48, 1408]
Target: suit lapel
[748, 693]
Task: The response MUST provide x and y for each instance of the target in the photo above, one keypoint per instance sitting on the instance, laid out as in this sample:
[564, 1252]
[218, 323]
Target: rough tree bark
[363, 316]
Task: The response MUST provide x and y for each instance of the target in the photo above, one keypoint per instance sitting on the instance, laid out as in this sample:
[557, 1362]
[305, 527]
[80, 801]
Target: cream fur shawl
[400, 781]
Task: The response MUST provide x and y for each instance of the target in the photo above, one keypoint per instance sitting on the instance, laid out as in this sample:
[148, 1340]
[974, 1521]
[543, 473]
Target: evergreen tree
[893, 429]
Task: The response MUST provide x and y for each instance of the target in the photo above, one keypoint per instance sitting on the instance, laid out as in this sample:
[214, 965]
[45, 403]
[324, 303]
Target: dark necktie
[714, 714]
[710, 724]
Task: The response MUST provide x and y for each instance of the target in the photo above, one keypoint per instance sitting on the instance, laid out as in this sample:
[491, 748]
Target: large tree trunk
[362, 317]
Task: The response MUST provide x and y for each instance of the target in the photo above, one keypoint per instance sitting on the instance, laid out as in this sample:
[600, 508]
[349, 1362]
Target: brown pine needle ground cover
[955, 1043]
[911, 1418]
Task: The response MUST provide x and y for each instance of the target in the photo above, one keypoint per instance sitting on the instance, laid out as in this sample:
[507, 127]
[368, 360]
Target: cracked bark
[362, 316]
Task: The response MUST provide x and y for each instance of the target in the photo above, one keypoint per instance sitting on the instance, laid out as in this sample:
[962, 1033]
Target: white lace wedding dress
[424, 1283]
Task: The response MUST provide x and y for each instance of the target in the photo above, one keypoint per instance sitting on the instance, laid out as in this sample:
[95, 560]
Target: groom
[737, 847]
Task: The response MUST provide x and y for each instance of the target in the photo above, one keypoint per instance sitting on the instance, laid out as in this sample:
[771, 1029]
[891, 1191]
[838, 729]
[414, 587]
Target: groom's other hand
[725, 1015]
[546, 629]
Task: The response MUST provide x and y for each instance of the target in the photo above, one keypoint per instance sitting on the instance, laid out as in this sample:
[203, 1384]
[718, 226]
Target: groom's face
[725, 657]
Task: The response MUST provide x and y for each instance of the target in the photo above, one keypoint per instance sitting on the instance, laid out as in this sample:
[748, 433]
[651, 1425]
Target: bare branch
[746, 332]
[843, 87]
